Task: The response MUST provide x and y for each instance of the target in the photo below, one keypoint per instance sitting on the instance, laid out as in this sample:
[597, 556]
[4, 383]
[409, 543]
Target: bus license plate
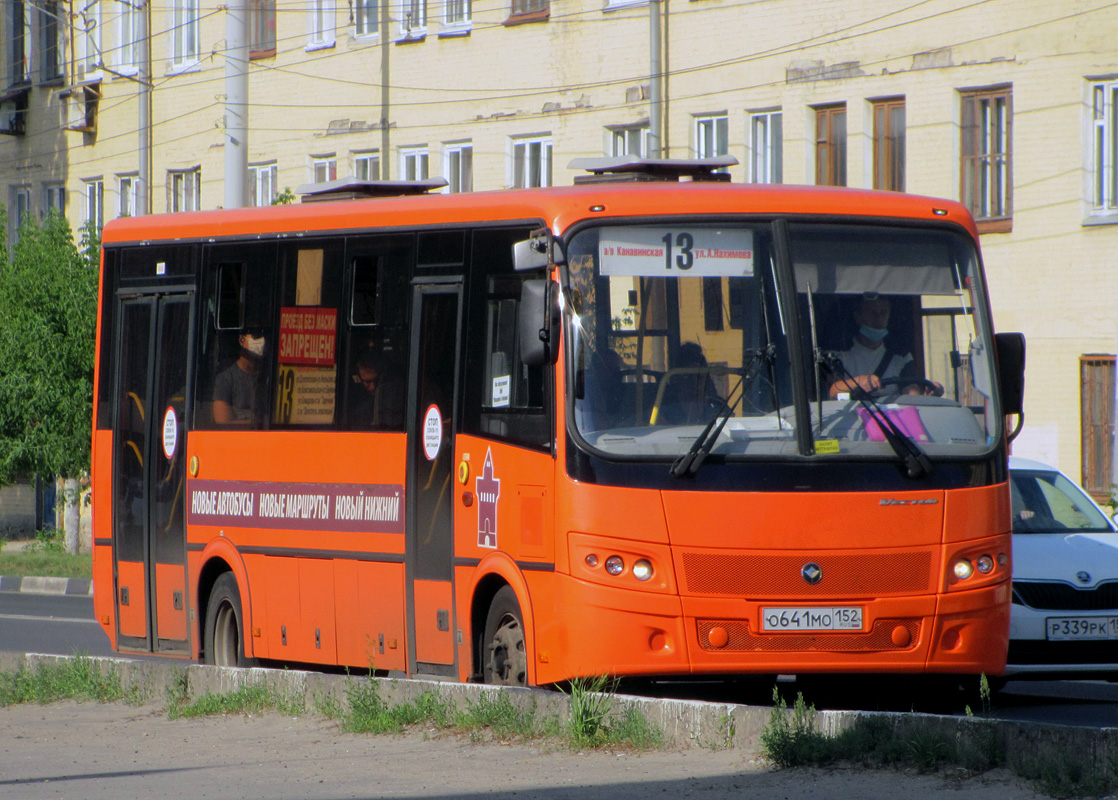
[1072, 628]
[838, 618]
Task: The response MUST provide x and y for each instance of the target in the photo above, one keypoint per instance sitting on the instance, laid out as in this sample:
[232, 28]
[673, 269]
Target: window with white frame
[87, 31]
[1104, 147]
[459, 13]
[94, 190]
[629, 140]
[261, 28]
[264, 178]
[413, 18]
[366, 165]
[184, 38]
[320, 24]
[54, 198]
[414, 162]
[766, 147]
[126, 194]
[21, 208]
[531, 162]
[184, 188]
[458, 166]
[51, 26]
[365, 17]
[324, 168]
[20, 49]
[128, 35]
[712, 136]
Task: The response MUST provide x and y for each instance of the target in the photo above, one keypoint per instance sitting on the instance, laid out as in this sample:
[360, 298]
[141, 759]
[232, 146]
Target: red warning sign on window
[307, 335]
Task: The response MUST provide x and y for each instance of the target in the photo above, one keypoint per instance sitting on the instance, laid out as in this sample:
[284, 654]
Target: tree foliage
[48, 312]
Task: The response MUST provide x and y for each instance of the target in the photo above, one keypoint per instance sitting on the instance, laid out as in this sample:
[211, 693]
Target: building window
[366, 166]
[21, 209]
[185, 188]
[94, 203]
[830, 146]
[413, 163]
[19, 52]
[87, 32]
[365, 17]
[54, 198]
[528, 10]
[1104, 150]
[458, 166]
[531, 162]
[126, 186]
[264, 178]
[51, 45]
[1096, 373]
[184, 33]
[128, 36]
[324, 168]
[261, 28]
[459, 13]
[766, 147]
[629, 140]
[889, 144]
[712, 136]
[320, 24]
[987, 156]
[413, 18]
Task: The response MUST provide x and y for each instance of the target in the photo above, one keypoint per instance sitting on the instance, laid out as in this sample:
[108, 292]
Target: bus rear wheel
[222, 636]
[505, 655]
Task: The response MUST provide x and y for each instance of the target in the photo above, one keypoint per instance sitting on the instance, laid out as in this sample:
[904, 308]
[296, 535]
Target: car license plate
[1072, 628]
[837, 618]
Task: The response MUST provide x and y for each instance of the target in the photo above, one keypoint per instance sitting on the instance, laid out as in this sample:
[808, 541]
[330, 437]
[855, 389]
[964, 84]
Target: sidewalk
[33, 585]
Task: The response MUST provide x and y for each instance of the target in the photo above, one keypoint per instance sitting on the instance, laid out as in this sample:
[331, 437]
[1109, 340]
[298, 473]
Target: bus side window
[238, 337]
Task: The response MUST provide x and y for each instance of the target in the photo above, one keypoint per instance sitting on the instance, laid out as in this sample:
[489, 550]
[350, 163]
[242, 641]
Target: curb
[79, 587]
[683, 723]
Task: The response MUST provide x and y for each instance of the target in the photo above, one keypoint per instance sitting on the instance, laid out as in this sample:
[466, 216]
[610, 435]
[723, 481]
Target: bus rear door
[149, 431]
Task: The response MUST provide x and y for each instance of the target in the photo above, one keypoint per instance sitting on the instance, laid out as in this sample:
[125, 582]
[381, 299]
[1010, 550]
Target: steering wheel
[893, 386]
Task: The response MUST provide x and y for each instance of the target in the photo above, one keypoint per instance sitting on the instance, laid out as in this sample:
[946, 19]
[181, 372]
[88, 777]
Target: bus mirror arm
[540, 250]
[538, 322]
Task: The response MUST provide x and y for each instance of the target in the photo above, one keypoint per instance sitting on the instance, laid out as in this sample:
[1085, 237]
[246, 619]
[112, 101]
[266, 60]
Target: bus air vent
[619, 169]
[354, 189]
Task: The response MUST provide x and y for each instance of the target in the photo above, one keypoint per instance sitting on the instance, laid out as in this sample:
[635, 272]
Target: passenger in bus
[379, 403]
[603, 404]
[871, 359]
[236, 387]
[689, 396]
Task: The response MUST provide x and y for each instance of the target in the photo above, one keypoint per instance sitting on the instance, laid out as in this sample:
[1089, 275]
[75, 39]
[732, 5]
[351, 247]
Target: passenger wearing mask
[236, 387]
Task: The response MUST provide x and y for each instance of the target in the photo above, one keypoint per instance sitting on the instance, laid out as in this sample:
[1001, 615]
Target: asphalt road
[64, 625]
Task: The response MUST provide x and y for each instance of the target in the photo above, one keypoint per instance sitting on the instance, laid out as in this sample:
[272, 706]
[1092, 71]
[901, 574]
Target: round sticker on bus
[170, 432]
[432, 432]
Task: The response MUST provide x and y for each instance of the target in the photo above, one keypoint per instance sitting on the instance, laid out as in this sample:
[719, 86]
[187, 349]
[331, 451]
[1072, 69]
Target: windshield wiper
[687, 465]
[916, 462]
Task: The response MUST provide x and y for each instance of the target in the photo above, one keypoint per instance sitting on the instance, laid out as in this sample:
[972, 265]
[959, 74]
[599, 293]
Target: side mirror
[1010, 351]
[541, 250]
[539, 320]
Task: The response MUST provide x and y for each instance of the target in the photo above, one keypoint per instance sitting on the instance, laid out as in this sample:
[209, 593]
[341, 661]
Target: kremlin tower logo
[488, 489]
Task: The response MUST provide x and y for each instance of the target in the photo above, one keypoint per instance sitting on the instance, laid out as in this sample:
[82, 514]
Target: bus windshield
[739, 336]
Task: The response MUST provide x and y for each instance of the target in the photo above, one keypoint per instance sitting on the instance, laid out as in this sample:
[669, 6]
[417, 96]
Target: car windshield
[683, 334]
[1047, 502]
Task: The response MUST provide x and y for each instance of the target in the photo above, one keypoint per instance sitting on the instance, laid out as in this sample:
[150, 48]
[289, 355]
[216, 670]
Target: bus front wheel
[222, 637]
[505, 656]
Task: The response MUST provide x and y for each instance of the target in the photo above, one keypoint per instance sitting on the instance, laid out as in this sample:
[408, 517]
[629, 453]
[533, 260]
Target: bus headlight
[642, 570]
[963, 569]
[985, 564]
[615, 565]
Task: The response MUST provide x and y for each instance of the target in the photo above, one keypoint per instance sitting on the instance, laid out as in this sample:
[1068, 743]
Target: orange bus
[626, 427]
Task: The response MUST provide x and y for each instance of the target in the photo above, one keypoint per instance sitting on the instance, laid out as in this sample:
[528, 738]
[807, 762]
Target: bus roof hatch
[354, 189]
[612, 169]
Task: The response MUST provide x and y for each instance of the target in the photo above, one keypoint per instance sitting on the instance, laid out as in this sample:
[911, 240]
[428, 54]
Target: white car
[1065, 577]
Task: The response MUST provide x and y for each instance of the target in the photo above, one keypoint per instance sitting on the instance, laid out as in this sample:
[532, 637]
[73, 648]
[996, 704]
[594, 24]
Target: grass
[246, 700]
[43, 558]
[78, 678]
[790, 739]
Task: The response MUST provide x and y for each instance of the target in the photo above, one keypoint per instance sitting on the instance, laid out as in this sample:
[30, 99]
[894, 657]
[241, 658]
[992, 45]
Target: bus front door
[149, 432]
[430, 523]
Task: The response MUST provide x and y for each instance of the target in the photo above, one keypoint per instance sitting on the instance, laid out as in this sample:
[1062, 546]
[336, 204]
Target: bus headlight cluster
[615, 565]
[983, 564]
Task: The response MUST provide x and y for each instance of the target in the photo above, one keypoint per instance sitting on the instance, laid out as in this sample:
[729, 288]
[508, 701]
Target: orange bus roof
[558, 207]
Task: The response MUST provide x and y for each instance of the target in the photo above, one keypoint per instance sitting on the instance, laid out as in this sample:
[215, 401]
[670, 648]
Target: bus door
[430, 522]
[149, 431]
